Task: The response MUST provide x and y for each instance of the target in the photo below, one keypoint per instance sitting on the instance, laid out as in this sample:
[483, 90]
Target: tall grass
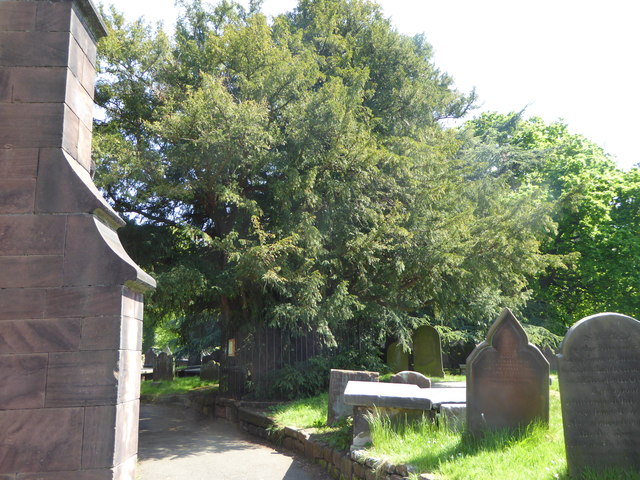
[533, 453]
[536, 452]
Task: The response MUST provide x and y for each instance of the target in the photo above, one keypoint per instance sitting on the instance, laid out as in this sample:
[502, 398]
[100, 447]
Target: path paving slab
[178, 444]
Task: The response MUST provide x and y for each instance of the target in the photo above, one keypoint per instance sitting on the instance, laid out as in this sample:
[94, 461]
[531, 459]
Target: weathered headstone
[599, 377]
[412, 378]
[150, 357]
[427, 352]
[70, 297]
[164, 368]
[397, 358]
[507, 379]
[337, 383]
[210, 371]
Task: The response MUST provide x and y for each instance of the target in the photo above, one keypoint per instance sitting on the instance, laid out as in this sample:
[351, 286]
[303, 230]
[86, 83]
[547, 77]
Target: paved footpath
[176, 444]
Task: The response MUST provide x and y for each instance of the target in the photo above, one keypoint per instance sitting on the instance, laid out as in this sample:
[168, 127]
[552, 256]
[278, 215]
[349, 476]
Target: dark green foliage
[542, 338]
[299, 380]
[458, 344]
[310, 378]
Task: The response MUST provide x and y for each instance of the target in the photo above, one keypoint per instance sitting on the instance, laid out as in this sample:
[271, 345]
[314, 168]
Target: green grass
[303, 413]
[535, 453]
[178, 386]
[449, 378]
[311, 413]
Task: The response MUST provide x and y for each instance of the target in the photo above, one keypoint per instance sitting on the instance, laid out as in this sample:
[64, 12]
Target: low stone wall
[341, 465]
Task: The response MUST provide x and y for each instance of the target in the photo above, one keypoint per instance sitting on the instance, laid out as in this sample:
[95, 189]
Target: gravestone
[338, 380]
[412, 378]
[427, 352]
[164, 368]
[210, 371]
[397, 358]
[507, 379]
[599, 377]
[71, 299]
[150, 357]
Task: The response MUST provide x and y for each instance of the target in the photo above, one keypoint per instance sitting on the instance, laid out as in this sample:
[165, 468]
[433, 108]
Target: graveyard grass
[534, 453]
[180, 385]
[303, 413]
[537, 453]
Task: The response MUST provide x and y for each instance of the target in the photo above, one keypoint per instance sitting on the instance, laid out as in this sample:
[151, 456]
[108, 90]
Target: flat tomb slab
[398, 395]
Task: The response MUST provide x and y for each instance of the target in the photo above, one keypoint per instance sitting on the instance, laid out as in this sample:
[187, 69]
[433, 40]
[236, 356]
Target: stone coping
[92, 17]
[399, 395]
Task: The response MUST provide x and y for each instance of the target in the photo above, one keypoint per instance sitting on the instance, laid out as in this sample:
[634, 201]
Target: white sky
[574, 60]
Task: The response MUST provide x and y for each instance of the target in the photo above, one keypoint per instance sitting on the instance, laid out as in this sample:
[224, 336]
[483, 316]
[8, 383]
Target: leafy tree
[595, 211]
[295, 174]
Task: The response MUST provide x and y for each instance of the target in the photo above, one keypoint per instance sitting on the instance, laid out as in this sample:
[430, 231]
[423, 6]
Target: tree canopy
[296, 173]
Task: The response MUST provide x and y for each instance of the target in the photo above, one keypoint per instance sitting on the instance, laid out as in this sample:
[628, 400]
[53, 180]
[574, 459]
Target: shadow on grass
[441, 449]
[431, 460]
[468, 445]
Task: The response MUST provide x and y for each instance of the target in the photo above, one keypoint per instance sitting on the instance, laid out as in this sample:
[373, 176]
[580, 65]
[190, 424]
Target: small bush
[311, 377]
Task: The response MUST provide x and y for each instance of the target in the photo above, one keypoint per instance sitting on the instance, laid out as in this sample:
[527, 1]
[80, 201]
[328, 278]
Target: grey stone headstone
[599, 377]
[210, 371]
[507, 379]
[150, 357]
[337, 383]
[164, 368]
[413, 378]
[427, 352]
[397, 358]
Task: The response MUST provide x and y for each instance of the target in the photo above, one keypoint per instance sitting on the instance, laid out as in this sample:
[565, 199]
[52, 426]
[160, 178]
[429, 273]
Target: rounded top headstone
[579, 339]
[413, 378]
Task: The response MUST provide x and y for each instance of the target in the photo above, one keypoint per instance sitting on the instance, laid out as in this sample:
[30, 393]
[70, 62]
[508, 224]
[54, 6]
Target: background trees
[595, 210]
[296, 174]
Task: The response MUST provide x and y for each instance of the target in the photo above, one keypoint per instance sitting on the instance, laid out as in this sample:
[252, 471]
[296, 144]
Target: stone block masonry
[70, 297]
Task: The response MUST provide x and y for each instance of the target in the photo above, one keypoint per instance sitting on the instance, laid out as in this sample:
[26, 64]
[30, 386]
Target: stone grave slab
[427, 352]
[338, 380]
[507, 379]
[454, 415]
[402, 402]
[397, 358]
[599, 378]
[400, 395]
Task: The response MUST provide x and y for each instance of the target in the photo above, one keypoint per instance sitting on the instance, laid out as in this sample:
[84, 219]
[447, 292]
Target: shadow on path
[176, 444]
